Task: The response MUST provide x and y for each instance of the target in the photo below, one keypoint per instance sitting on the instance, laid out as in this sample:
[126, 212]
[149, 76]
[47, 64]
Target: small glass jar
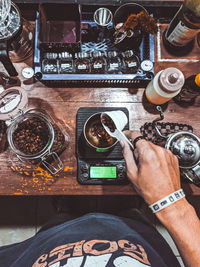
[31, 133]
[98, 62]
[66, 64]
[130, 62]
[113, 62]
[82, 63]
[50, 66]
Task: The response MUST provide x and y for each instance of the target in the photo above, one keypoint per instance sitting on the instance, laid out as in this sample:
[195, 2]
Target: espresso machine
[16, 36]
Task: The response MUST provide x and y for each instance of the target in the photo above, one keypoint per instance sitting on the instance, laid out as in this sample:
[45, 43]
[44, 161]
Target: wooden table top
[63, 103]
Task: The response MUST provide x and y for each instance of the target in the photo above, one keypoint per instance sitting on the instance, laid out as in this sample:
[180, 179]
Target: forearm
[184, 226]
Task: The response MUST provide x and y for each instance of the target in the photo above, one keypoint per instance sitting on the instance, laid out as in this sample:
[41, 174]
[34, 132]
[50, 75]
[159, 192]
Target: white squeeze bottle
[165, 85]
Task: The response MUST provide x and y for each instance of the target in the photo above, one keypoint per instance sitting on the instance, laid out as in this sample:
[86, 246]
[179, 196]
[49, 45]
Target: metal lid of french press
[186, 146]
[12, 23]
[12, 102]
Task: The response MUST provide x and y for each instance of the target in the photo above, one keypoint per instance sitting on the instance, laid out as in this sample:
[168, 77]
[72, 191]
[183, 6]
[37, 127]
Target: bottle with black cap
[190, 90]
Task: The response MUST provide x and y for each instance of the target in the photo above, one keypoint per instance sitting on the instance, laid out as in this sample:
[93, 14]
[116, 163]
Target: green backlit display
[103, 172]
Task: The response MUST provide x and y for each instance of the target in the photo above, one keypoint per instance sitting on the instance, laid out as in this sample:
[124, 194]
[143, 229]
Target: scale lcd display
[103, 172]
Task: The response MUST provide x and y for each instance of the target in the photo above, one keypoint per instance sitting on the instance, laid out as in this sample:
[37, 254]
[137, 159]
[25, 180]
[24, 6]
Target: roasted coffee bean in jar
[113, 62]
[59, 140]
[82, 64]
[98, 62]
[130, 62]
[31, 136]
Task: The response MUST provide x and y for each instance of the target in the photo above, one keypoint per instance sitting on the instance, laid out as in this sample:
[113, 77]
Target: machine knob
[120, 175]
[120, 167]
[85, 175]
[84, 167]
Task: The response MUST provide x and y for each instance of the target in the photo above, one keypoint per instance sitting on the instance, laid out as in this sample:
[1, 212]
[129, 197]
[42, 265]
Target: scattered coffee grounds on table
[104, 139]
[107, 121]
[31, 136]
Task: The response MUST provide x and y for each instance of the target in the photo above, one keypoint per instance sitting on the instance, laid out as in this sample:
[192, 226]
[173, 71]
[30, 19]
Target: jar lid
[112, 54]
[128, 53]
[97, 54]
[171, 80]
[186, 146]
[12, 102]
[81, 55]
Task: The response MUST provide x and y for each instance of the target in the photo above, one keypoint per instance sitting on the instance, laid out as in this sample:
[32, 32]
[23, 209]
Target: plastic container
[165, 85]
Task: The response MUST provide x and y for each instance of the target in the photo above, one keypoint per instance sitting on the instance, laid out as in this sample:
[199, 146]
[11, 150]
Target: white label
[181, 35]
[82, 67]
[66, 65]
[114, 65]
[97, 66]
[132, 64]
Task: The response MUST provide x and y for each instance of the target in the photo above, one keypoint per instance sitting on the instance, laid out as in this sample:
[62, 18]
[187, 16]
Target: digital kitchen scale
[98, 168]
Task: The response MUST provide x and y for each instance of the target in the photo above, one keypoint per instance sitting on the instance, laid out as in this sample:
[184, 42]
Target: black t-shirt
[93, 240]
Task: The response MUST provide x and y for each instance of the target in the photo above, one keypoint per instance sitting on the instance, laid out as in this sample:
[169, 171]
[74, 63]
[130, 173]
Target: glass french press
[16, 36]
[30, 133]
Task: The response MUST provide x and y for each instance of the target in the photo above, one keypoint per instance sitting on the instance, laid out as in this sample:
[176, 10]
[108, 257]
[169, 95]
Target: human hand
[156, 173]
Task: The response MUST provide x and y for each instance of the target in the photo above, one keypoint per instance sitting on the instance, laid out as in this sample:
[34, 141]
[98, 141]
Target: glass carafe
[16, 36]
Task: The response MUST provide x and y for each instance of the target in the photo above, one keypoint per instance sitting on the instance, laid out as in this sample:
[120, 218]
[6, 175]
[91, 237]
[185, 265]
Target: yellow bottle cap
[197, 79]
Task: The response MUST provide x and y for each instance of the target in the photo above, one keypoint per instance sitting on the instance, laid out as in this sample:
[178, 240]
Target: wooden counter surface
[18, 178]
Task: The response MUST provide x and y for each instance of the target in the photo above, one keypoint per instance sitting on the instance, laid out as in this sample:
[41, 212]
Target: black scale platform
[87, 156]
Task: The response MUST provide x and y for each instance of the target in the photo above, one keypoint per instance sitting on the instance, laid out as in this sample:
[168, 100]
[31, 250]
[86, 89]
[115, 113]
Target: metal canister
[186, 146]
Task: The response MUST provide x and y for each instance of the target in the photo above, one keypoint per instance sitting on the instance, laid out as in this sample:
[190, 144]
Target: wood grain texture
[21, 178]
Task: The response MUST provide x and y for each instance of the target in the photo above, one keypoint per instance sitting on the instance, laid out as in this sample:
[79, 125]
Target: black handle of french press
[4, 58]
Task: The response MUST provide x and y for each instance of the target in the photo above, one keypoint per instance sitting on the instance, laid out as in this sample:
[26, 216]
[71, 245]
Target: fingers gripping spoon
[114, 122]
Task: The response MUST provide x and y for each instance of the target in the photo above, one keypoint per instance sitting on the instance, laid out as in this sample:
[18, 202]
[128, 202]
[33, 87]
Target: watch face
[27, 72]
[146, 65]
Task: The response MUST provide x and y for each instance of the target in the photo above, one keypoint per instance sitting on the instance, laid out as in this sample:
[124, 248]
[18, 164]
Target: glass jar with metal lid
[82, 63]
[98, 62]
[30, 132]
